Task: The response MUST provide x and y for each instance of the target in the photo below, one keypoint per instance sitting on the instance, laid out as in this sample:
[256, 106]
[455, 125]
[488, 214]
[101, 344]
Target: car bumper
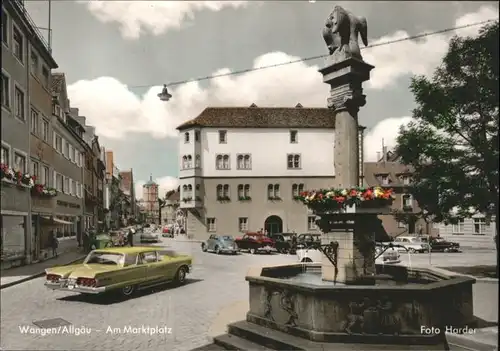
[63, 286]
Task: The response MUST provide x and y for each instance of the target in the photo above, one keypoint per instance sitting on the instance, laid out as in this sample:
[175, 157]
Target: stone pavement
[215, 295]
[19, 275]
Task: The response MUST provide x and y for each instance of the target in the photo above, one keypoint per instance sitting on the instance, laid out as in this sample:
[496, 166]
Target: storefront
[13, 239]
[64, 227]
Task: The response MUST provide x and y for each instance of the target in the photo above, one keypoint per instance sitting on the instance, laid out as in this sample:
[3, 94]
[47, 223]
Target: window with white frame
[222, 136]
[73, 154]
[458, 228]
[20, 103]
[18, 44]
[220, 191]
[211, 224]
[480, 226]
[222, 162]
[197, 161]
[297, 189]
[226, 190]
[243, 224]
[66, 187]
[74, 187]
[5, 90]
[45, 130]
[5, 28]
[6, 155]
[384, 180]
[45, 177]
[294, 137]
[58, 143]
[184, 162]
[34, 121]
[66, 149]
[311, 223]
[70, 186]
[59, 182]
[407, 201]
[19, 162]
[293, 161]
[273, 191]
[244, 161]
[406, 180]
[35, 171]
[34, 62]
[190, 161]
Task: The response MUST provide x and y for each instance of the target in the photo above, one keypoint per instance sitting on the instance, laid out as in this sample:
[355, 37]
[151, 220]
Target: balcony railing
[19, 5]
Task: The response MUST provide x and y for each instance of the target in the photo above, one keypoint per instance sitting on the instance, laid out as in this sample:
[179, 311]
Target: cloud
[384, 132]
[115, 110]
[166, 183]
[154, 17]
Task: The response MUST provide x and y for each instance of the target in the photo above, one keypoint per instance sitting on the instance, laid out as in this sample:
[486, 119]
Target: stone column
[345, 78]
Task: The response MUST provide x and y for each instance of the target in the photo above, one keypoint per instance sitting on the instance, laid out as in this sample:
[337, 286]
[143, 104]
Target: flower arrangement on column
[43, 191]
[328, 200]
[10, 175]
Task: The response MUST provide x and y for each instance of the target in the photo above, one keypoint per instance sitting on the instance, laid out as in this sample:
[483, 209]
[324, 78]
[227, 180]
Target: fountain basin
[411, 306]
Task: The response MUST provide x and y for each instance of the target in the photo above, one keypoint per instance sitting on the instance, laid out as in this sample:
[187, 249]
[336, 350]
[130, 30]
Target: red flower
[320, 196]
[353, 193]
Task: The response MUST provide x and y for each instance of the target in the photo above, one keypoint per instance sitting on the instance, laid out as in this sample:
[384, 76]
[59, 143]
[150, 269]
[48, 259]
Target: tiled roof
[394, 170]
[175, 196]
[263, 117]
[58, 80]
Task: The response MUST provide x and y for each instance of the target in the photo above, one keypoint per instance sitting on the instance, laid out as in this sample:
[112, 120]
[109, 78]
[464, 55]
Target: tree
[452, 143]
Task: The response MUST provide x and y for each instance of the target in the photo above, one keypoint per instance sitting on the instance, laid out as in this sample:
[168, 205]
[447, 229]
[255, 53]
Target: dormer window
[186, 137]
[222, 136]
[384, 180]
[293, 137]
[406, 180]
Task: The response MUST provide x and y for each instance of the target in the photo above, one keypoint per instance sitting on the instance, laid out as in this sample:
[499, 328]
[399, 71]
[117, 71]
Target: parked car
[167, 232]
[220, 244]
[412, 244]
[100, 241]
[308, 240]
[390, 256]
[386, 254]
[122, 270]
[283, 242]
[441, 245]
[149, 237]
[255, 242]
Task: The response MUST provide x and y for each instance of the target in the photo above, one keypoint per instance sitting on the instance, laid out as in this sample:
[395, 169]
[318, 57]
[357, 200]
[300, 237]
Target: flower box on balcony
[223, 198]
[42, 191]
[244, 198]
[274, 198]
[10, 176]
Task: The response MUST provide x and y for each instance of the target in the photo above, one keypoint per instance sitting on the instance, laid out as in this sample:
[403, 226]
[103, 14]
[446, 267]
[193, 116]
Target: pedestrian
[54, 243]
[130, 237]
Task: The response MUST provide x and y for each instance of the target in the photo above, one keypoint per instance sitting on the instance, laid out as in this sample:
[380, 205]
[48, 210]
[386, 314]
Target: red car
[167, 233]
[254, 242]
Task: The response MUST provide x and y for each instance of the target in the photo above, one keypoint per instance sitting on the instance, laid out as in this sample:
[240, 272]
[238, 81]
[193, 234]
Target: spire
[151, 177]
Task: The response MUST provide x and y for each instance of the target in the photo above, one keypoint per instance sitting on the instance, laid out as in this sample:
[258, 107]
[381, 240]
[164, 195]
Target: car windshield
[226, 237]
[104, 258]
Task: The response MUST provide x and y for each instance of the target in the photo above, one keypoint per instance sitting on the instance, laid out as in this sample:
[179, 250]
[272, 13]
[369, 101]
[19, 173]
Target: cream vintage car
[120, 269]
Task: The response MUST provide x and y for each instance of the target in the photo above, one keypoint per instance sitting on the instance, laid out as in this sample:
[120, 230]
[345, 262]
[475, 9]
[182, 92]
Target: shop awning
[57, 220]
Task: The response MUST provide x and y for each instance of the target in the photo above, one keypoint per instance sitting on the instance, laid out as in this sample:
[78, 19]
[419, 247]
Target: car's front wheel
[217, 250]
[180, 276]
[203, 247]
[128, 290]
[306, 260]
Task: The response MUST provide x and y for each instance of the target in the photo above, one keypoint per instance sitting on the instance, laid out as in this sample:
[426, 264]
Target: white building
[241, 168]
[472, 232]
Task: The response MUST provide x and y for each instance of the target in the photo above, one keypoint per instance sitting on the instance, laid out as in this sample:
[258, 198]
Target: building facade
[150, 201]
[26, 111]
[127, 186]
[388, 172]
[241, 169]
[473, 232]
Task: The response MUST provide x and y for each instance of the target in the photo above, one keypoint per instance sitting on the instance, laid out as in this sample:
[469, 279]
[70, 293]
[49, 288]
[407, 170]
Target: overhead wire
[247, 70]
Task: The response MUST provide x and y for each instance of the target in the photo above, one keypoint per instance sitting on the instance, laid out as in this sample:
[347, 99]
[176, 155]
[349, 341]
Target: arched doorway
[273, 224]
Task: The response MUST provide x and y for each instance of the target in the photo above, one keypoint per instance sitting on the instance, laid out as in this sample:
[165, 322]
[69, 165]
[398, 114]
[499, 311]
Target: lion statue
[341, 33]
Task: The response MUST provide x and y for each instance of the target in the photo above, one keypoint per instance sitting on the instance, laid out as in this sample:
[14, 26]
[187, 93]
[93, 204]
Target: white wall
[268, 148]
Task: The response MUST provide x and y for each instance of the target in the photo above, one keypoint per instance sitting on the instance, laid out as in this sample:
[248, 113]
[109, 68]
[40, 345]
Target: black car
[283, 242]
[441, 245]
[308, 240]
